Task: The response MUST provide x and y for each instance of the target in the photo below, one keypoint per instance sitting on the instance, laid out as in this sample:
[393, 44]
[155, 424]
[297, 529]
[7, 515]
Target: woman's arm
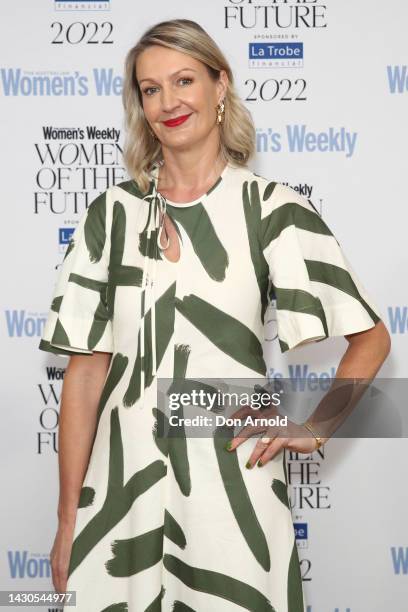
[360, 363]
[83, 383]
[366, 352]
[363, 358]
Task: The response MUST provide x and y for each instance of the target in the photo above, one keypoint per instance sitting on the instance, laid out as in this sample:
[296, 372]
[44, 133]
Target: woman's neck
[180, 178]
[193, 169]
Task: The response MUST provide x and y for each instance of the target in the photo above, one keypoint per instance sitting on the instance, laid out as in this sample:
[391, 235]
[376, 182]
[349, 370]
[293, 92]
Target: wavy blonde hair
[141, 148]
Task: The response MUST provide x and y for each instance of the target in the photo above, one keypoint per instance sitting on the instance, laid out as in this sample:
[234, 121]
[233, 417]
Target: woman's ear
[222, 85]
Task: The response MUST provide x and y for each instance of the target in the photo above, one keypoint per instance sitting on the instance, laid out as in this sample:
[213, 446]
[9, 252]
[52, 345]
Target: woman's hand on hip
[294, 437]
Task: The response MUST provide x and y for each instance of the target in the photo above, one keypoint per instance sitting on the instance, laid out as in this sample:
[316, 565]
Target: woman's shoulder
[121, 199]
[126, 194]
[129, 187]
[272, 193]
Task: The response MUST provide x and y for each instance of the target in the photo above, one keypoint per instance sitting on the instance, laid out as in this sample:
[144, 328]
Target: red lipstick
[176, 121]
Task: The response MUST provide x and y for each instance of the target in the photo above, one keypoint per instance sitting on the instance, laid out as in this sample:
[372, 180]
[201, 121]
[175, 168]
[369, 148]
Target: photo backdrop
[327, 85]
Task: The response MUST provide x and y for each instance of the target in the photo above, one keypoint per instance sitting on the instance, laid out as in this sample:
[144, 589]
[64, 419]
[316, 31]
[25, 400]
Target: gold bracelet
[319, 442]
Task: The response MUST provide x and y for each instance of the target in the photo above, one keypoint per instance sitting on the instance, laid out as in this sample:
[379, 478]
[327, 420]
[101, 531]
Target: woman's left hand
[294, 437]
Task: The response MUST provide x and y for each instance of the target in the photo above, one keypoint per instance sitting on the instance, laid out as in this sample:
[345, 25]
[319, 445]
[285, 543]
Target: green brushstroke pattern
[224, 331]
[218, 584]
[239, 499]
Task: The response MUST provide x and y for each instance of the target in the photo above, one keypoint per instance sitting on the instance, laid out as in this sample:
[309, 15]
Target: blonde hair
[141, 148]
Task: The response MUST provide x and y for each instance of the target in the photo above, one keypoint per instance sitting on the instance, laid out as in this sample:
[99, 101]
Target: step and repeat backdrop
[327, 85]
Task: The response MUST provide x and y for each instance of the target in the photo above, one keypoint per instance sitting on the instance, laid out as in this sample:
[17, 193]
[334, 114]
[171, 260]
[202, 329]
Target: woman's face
[177, 86]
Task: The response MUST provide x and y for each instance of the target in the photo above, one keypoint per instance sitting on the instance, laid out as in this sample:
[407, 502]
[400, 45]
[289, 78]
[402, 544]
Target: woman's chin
[179, 142]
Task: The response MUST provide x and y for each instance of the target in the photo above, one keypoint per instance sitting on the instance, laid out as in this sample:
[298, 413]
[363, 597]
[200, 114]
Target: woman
[167, 276]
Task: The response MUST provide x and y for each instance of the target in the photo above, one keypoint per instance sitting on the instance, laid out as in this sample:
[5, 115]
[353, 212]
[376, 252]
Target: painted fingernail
[248, 465]
[228, 445]
[259, 464]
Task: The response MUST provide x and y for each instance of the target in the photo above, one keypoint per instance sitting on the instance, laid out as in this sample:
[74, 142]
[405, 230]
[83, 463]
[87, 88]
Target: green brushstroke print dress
[186, 527]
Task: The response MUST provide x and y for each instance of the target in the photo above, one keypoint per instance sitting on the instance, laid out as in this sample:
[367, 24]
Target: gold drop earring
[220, 108]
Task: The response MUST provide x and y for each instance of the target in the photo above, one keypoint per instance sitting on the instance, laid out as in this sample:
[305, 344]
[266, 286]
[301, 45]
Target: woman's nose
[169, 100]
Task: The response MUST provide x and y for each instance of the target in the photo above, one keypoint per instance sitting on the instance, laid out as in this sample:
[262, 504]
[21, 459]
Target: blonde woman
[168, 275]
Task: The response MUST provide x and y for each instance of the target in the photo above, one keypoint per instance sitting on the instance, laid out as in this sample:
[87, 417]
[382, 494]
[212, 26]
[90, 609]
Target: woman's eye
[187, 79]
[148, 90]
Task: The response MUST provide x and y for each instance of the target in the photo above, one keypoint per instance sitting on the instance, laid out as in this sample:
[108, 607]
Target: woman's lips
[176, 121]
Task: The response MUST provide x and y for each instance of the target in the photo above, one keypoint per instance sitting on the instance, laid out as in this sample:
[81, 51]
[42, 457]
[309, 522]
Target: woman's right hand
[60, 555]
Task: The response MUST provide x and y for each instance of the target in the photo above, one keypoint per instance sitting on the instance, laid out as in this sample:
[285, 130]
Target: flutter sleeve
[317, 293]
[78, 320]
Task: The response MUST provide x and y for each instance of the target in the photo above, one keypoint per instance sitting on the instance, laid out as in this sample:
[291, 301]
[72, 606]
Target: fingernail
[248, 465]
[259, 464]
[228, 445]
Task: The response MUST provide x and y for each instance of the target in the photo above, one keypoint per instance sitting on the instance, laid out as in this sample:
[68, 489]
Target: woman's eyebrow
[172, 75]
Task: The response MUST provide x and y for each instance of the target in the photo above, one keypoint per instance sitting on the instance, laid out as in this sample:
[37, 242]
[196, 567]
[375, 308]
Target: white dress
[181, 524]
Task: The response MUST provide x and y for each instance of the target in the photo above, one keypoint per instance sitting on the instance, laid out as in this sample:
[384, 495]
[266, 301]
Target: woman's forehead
[164, 59]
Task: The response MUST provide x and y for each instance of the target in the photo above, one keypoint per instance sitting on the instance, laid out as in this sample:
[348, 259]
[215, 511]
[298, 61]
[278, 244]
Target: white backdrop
[331, 122]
